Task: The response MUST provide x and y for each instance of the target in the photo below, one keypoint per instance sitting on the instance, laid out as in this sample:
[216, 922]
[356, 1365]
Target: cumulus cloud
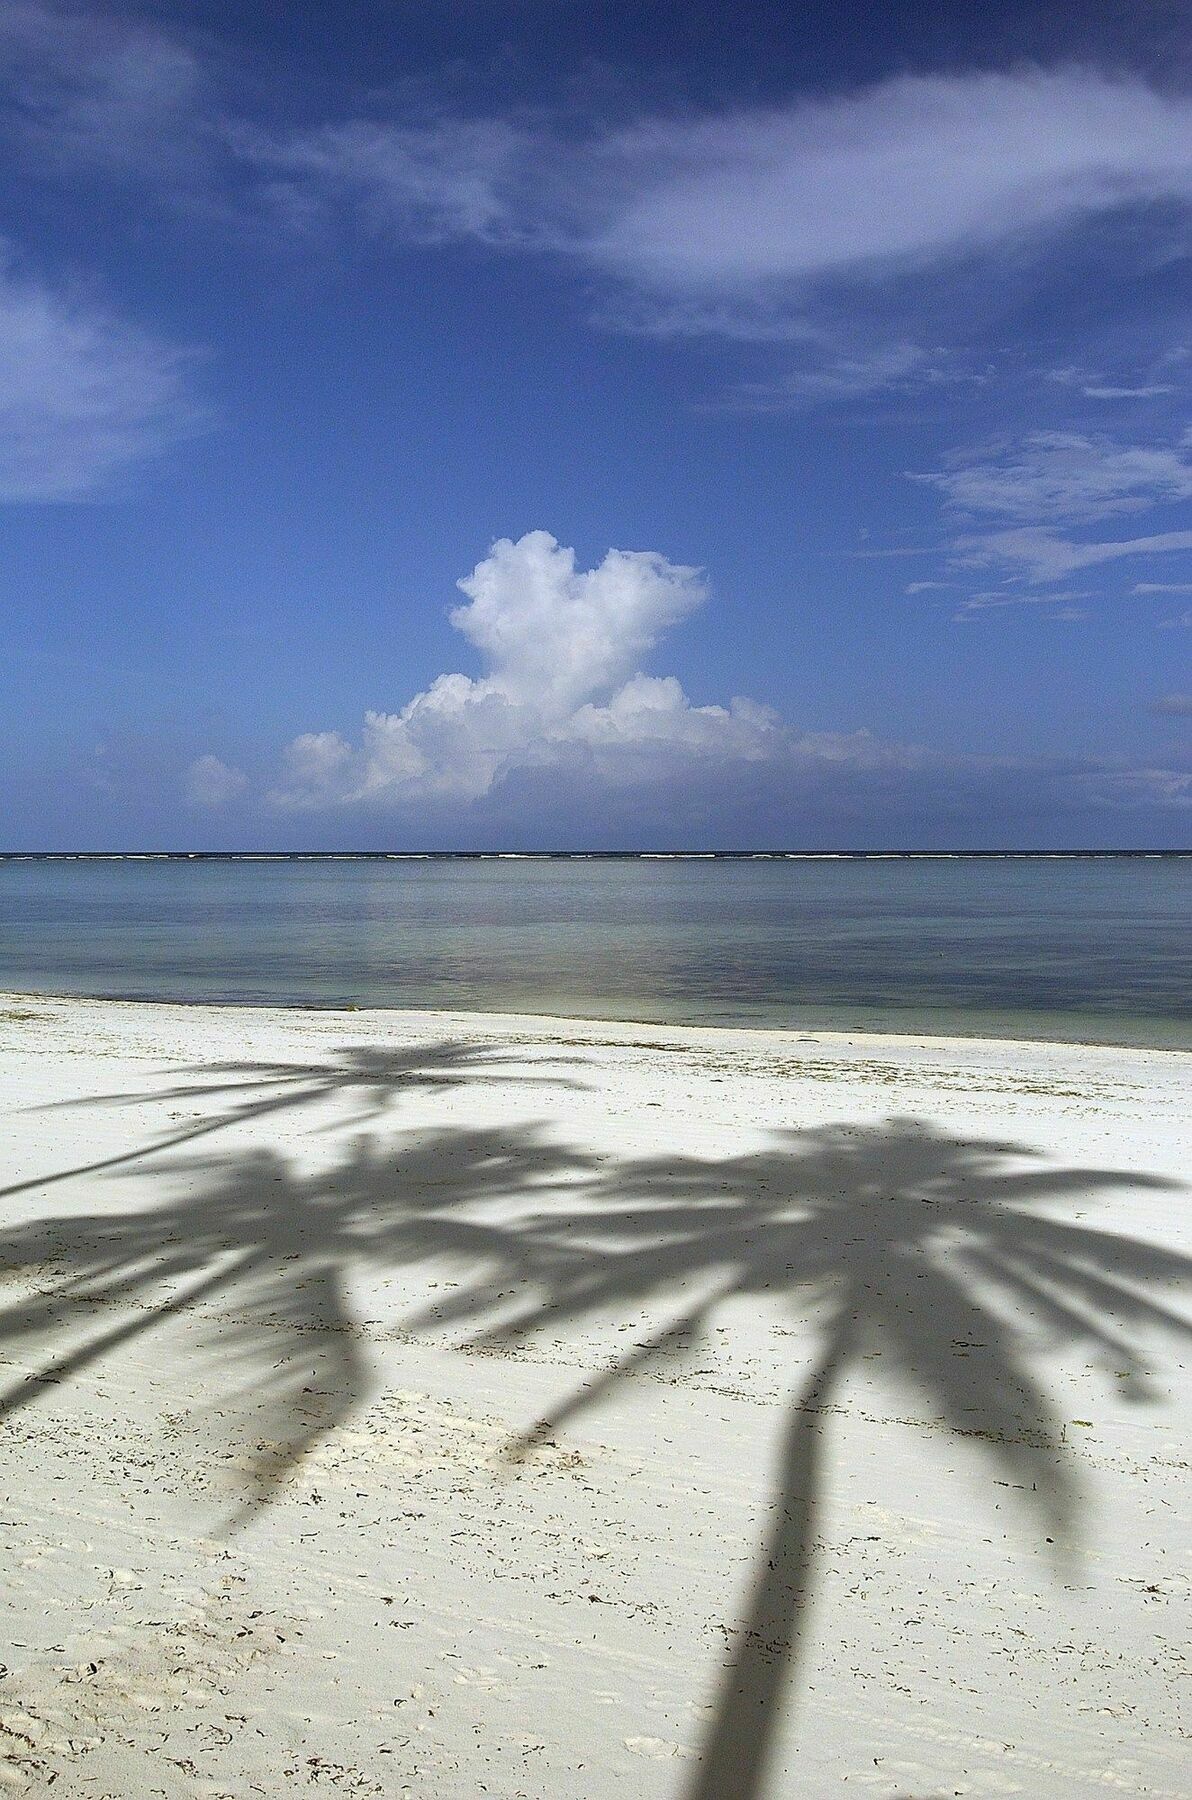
[565, 726]
[212, 783]
[563, 648]
[83, 393]
[555, 635]
[564, 698]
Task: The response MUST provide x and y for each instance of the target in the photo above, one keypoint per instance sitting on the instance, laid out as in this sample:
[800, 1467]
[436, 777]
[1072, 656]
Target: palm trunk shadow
[121, 1159]
[748, 1711]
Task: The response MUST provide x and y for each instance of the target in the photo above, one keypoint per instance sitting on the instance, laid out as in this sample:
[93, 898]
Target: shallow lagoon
[1095, 948]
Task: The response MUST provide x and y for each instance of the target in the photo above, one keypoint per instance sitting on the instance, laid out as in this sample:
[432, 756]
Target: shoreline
[464, 1018]
[587, 855]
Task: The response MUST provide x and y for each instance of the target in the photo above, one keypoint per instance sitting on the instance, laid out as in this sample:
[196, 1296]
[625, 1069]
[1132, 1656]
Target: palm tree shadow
[937, 1252]
[896, 1239]
[239, 1093]
[260, 1259]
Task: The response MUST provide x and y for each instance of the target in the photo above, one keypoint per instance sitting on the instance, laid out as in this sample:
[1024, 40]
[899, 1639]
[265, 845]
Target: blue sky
[801, 399]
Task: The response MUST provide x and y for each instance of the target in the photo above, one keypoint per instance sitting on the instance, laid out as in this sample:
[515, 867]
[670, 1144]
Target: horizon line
[635, 855]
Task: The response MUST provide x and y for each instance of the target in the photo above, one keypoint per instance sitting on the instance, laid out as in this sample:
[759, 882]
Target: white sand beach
[447, 1405]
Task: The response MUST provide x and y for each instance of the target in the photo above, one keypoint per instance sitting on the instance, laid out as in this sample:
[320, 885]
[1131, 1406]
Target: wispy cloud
[429, 182]
[1044, 555]
[83, 393]
[995, 599]
[884, 369]
[87, 88]
[771, 226]
[1146, 786]
[1173, 706]
[898, 175]
[1150, 392]
[1099, 386]
[906, 171]
[1065, 477]
[737, 222]
[1050, 480]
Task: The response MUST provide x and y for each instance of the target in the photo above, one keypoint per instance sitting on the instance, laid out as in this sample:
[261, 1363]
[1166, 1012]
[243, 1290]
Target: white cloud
[1040, 554]
[1052, 479]
[83, 393]
[793, 224]
[1098, 386]
[430, 182]
[564, 726]
[564, 687]
[1149, 392]
[728, 223]
[889, 368]
[556, 636]
[83, 87]
[998, 598]
[708, 214]
[1132, 787]
[210, 782]
[906, 171]
[1065, 476]
[1162, 587]
[1173, 706]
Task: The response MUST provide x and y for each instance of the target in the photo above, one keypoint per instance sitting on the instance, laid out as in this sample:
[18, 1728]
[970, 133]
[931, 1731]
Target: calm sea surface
[1097, 949]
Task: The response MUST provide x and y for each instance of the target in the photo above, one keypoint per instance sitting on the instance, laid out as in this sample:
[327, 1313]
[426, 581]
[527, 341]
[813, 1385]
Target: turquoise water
[1095, 949]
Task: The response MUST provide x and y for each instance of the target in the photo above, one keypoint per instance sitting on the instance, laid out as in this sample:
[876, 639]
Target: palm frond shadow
[897, 1239]
[938, 1252]
[244, 1093]
[261, 1258]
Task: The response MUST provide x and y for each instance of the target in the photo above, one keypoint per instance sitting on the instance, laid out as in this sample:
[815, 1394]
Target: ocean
[1089, 948]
